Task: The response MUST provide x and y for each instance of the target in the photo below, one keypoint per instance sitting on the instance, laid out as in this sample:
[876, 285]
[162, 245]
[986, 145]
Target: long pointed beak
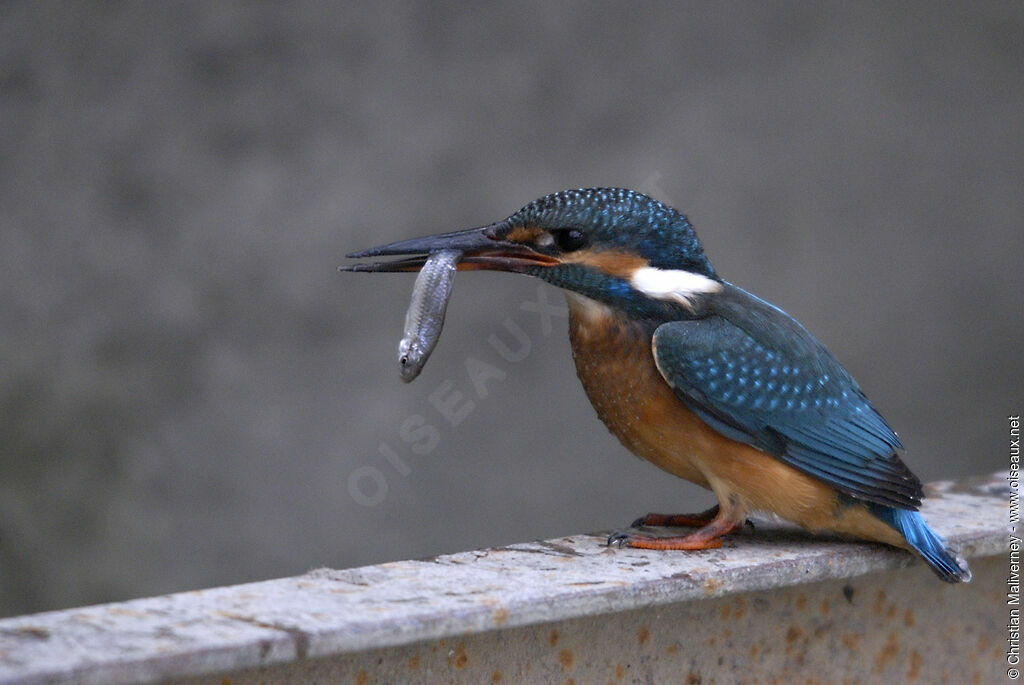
[463, 241]
[483, 248]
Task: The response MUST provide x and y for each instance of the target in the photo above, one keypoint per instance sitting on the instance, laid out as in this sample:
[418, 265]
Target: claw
[618, 537]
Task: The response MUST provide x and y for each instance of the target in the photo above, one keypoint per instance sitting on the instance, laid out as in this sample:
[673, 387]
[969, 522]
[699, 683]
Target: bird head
[613, 246]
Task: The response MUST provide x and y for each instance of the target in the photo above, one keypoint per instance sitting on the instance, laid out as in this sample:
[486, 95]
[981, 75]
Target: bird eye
[570, 239]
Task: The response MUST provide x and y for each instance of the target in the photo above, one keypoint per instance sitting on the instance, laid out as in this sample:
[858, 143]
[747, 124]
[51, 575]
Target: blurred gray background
[191, 395]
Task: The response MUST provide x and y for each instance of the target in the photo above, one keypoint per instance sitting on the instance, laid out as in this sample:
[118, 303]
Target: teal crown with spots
[621, 218]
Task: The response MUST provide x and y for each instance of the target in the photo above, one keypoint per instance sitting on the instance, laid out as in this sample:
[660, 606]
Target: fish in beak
[483, 249]
[437, 257]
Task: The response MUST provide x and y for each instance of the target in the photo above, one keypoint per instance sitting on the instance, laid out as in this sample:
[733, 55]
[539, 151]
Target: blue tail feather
[910, 524]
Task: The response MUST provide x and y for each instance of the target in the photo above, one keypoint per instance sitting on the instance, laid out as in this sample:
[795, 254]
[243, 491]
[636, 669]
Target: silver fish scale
[425, 318]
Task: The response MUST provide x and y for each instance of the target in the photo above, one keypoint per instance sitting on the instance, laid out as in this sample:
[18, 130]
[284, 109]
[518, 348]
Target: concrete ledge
[526, 611]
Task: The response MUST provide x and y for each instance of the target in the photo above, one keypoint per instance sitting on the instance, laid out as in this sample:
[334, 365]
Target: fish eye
[570, 239]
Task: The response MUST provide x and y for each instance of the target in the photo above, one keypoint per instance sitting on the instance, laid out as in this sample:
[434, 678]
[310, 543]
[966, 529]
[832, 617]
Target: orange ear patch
[524, 234]
[615, 262]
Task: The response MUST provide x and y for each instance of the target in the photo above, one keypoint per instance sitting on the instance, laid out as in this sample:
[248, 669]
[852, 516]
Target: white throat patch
[586, 308]
[673, 284]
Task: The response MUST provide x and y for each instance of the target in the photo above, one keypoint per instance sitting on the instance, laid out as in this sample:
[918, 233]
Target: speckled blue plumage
[746, 367]
[618, 217]
[757, 376]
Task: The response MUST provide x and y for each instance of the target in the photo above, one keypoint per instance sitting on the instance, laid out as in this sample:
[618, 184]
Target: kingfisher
[702, 378]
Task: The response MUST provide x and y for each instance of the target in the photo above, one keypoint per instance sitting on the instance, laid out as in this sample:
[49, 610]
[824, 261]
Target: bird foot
[709, 536]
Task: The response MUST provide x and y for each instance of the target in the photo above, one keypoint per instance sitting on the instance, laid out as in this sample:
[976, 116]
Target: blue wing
[755, 375]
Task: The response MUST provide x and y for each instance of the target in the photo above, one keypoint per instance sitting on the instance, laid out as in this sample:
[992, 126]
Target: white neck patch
[674, 285]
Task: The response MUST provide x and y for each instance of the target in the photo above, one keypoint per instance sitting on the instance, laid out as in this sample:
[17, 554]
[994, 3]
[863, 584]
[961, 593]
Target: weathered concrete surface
[490, 609]
[890, 627]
